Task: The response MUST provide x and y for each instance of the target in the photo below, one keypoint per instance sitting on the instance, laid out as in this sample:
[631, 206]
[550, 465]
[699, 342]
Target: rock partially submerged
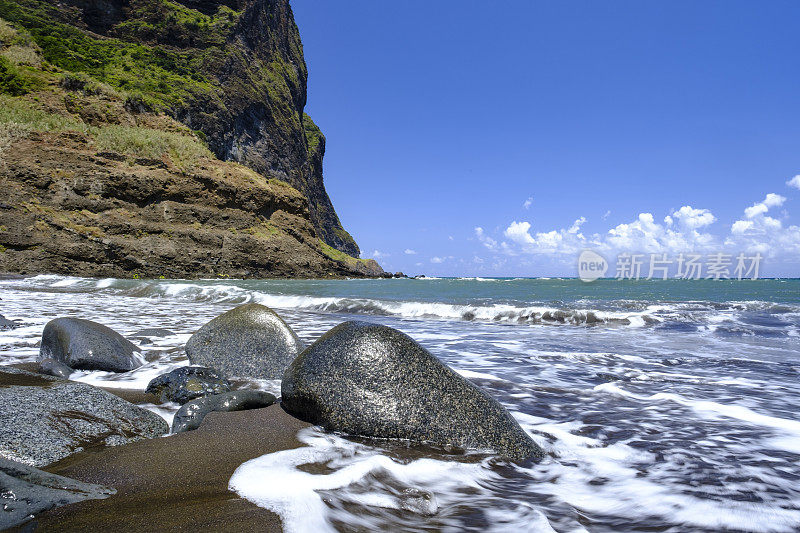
[191, 415]
[248, 341]
[87, 345]
[374, 381]
[153, 332]
[45, 419]
[51, 367]
[187, 383]
[8, 324]
[25, 491]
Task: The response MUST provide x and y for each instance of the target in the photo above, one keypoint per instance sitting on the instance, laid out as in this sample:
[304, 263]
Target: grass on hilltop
[18, 119]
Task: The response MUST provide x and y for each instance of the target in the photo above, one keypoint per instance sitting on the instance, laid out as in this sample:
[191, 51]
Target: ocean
[663, 405]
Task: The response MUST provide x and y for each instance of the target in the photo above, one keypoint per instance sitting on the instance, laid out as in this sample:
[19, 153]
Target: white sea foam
[362, 475]
[787, 430]
[608, 480]
[469, 374]
[640, 314]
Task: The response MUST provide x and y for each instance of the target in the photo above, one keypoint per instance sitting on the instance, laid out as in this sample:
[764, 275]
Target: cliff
[152, 137]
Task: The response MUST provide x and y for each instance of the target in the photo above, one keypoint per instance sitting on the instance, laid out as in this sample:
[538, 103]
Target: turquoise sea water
[663, 405]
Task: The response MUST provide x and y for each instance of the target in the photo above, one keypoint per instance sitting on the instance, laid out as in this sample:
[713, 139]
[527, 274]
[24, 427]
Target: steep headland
[159, 138]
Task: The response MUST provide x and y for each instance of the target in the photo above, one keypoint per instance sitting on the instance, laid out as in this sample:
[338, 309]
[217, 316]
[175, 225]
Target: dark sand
[177, 483]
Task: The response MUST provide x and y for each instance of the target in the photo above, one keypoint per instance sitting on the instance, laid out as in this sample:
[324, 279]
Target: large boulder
[44, 419]
[27, 491]
[187, 383]
[87, 345]
[374, 381]
[248, 341]
[191, 415]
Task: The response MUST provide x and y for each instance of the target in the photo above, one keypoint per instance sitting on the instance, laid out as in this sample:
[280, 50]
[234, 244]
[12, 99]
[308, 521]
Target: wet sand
[177, 483]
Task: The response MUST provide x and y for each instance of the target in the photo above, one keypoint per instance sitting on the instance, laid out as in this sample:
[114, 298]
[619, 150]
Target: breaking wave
[728, 318]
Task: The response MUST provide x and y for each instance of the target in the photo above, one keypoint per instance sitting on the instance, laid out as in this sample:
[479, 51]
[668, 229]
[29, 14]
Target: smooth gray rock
[248, 341]
[191, 415]
[44, 419]
[51, 367]
[87, 345]
[26, 491]
[374, 381]
[187, 383]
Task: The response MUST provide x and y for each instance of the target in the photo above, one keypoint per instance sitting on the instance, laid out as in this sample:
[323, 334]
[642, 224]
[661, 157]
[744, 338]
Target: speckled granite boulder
[26, 491]
[248, 341]
[87, 345]
[51, 367]
[187, 383]
[44, 419]
[371, 380]
[191, 415]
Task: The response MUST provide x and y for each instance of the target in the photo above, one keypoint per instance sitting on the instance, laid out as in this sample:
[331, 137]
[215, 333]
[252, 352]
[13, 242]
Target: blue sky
[502, 138]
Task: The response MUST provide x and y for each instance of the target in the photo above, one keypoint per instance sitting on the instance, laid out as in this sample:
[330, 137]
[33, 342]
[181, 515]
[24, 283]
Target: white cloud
[563, 241]
[450, 238]
[377, 254]
[758, 232]
[487, 241]
[794, 182]
[692, 218]
[576, 226]
[771, 200]
[608, 214]
[409, 251]
[527, 203]
[741, 226]
[518, 232]
[438, 260]
[684, 230]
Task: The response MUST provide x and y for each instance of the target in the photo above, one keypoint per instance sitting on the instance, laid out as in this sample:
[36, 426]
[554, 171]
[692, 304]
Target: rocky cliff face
[156, 138]
[242, 74]
[263, 125]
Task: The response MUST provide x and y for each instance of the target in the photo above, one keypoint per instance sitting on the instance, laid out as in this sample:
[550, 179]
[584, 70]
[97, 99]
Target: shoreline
[169, 483]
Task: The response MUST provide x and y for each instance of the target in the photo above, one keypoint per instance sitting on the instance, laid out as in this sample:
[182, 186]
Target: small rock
[418, 501]
[187, 383]
[374, 381]
[87, 345]
[191, 415]
[248, 341]
[8, 324]
[51, 367]
[26, 491]
[44, 419]
[153, 332]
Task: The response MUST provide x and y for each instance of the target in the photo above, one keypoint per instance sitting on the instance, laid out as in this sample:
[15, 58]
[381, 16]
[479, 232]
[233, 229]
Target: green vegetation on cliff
[236, 79]
[313, 133]
[18, 118]
[131, 58]
[165, 78]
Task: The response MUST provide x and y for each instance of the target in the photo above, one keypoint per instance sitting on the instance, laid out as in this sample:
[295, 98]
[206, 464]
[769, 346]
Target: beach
[655, 410]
